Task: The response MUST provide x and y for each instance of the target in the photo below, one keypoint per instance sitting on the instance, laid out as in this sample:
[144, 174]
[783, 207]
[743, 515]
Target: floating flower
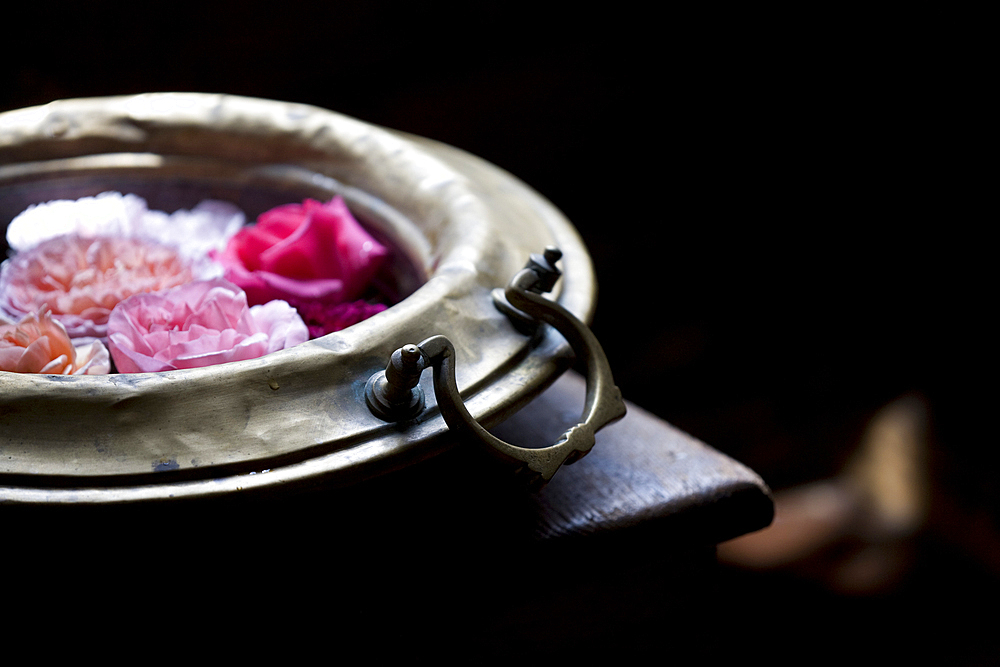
[198, 324]
[81, 279]
[40, 344]
[312, 255]
[192, 234]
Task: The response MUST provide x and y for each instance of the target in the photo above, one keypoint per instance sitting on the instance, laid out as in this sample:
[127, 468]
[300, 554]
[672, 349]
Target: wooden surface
[642, 473]
[614, 549]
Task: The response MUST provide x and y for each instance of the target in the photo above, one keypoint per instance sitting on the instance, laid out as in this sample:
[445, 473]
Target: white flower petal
[107, 213]
[194, 233]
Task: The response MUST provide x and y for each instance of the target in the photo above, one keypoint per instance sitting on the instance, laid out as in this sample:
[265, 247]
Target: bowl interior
[170, 184]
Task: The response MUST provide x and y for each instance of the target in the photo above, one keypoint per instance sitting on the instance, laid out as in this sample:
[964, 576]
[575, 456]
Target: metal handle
[393, 395]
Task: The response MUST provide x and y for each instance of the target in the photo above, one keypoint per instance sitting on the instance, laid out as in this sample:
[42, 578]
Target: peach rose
[80, 280]
[40, 344]
[201, 323]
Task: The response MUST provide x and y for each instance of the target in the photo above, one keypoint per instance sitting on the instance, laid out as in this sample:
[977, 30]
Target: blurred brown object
[853, 532]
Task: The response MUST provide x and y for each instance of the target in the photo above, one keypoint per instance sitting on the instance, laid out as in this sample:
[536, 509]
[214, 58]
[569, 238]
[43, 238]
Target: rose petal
[35, 357]
[359, 254]
[326, 290]
[108, 213]
[58, 366]
[282, 323]
[305, 253]
[228, 346]
[323, 319]
[92, 359]
[130, 360]
[10, 356]
[207, 226]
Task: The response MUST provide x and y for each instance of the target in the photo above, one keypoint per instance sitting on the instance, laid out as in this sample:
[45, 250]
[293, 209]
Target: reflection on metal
[393, 394]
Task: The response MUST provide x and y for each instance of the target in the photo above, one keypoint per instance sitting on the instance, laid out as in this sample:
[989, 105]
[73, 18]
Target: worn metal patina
[459, 226]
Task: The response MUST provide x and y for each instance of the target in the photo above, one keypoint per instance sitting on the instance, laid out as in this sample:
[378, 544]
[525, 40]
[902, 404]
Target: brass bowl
[459, 227]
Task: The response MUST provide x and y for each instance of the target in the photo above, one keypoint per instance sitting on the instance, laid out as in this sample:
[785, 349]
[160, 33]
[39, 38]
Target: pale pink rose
[80, 280]
[311, 255]
[201, 323]
[40, 344]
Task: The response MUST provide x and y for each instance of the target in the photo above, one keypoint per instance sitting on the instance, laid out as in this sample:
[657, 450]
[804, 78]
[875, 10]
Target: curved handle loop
[393, 395]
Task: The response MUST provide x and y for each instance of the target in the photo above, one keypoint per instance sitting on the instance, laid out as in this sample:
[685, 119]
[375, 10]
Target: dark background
[777, 209]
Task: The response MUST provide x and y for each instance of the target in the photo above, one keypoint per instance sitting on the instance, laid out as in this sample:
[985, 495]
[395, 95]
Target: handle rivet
[393, 394]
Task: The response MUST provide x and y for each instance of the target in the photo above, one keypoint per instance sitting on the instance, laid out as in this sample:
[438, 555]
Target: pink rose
[40, 344]
[311, 255]
[80, 280]
[201, 323]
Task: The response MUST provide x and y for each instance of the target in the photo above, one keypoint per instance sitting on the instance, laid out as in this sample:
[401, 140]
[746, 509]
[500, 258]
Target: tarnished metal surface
[462, 228]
